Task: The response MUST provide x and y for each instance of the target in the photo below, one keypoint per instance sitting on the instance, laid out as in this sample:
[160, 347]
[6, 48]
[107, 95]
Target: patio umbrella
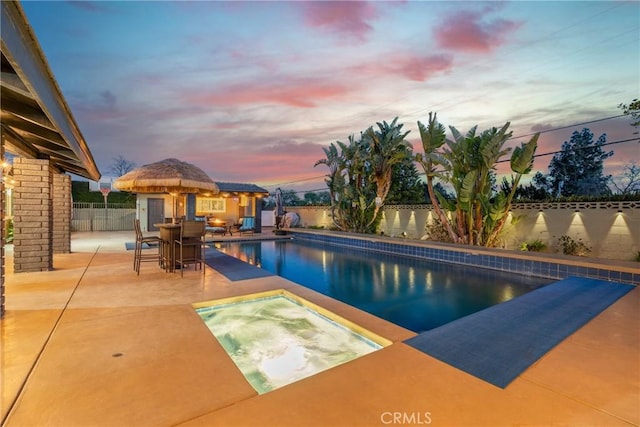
[279, 210]
[167, 176]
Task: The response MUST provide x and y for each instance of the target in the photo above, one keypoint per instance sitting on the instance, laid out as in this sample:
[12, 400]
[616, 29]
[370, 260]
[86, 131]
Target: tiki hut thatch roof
[167, 176]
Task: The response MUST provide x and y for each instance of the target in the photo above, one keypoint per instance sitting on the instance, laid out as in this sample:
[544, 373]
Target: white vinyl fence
[98, 217]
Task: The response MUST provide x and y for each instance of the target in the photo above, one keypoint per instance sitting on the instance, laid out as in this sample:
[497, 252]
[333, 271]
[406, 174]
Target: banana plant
[521, 164]
[467, 162]
[335, 179]
[435, 165]
[360, 174]
[387, 148]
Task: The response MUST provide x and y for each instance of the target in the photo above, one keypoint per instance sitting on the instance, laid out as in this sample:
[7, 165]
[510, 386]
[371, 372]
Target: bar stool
[140, 257]
[191, 245]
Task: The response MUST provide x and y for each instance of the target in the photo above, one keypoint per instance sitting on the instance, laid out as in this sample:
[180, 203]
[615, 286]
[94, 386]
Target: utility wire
[478, 65]
[568, 127]
[582, 148]
[293, 182]
[513, 137]
[499, 161]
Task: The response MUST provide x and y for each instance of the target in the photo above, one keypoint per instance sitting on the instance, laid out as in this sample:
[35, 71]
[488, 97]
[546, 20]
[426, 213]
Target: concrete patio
[91, 343]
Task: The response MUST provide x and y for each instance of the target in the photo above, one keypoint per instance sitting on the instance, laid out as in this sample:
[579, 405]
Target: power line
[499, 161]
[480, 64]
[311, 191]
[582, 148]
[569, 126]
[293, 182]
[592, 16]
[513, 137]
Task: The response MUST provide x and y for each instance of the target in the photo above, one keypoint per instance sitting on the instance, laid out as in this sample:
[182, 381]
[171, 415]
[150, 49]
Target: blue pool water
[416, 294]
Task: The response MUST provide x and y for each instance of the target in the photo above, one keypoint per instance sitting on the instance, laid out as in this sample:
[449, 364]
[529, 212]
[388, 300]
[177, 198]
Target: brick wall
[61, 213]
[33, 215]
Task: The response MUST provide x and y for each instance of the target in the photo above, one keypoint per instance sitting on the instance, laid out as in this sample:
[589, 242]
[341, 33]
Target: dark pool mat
[132, 245]
[499, 343]
[232, 268]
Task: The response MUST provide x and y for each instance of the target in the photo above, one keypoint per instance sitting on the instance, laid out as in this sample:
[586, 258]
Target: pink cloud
[279, 162]
[304, 93]
[466, 32]
[347, 18]
[421, 68]
[409, 65]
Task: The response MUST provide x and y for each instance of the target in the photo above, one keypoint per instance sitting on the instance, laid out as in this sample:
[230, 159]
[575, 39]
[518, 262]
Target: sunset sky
[252, 91]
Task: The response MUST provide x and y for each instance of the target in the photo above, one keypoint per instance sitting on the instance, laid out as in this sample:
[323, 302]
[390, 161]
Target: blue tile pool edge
[528, 267]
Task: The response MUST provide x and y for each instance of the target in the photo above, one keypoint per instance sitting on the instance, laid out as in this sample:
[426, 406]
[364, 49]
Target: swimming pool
[414, 293]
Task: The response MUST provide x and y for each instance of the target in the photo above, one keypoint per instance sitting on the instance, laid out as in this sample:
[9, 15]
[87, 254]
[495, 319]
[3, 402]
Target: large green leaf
[432, 135]
[485, 203]
[492, 144]
[446, 204]
[467, 191]
[522, 157]
[498, 208]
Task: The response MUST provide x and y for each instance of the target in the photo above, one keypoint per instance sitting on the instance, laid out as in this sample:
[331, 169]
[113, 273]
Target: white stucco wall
[609, 233]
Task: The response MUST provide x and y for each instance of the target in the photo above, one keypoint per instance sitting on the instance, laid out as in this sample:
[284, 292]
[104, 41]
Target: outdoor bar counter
[169, 233]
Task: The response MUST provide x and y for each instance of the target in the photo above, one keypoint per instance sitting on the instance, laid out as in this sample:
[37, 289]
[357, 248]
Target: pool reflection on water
[414, 293]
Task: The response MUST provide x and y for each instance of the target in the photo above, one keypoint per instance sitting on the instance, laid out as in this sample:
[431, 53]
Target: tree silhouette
[633, 110]
[120, 166]
[577, 170]
[628, 182]
[406, 186]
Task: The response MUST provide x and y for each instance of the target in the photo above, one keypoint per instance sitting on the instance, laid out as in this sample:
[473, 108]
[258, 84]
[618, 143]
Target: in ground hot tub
[276, 337]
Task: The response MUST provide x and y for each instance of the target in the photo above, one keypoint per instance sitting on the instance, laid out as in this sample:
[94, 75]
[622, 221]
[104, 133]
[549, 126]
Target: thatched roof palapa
[167, 176]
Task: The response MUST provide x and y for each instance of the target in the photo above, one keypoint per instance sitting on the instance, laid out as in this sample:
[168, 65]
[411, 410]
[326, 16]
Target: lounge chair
[248, 225]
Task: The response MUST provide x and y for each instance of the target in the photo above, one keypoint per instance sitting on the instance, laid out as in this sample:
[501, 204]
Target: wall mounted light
[619, 210]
